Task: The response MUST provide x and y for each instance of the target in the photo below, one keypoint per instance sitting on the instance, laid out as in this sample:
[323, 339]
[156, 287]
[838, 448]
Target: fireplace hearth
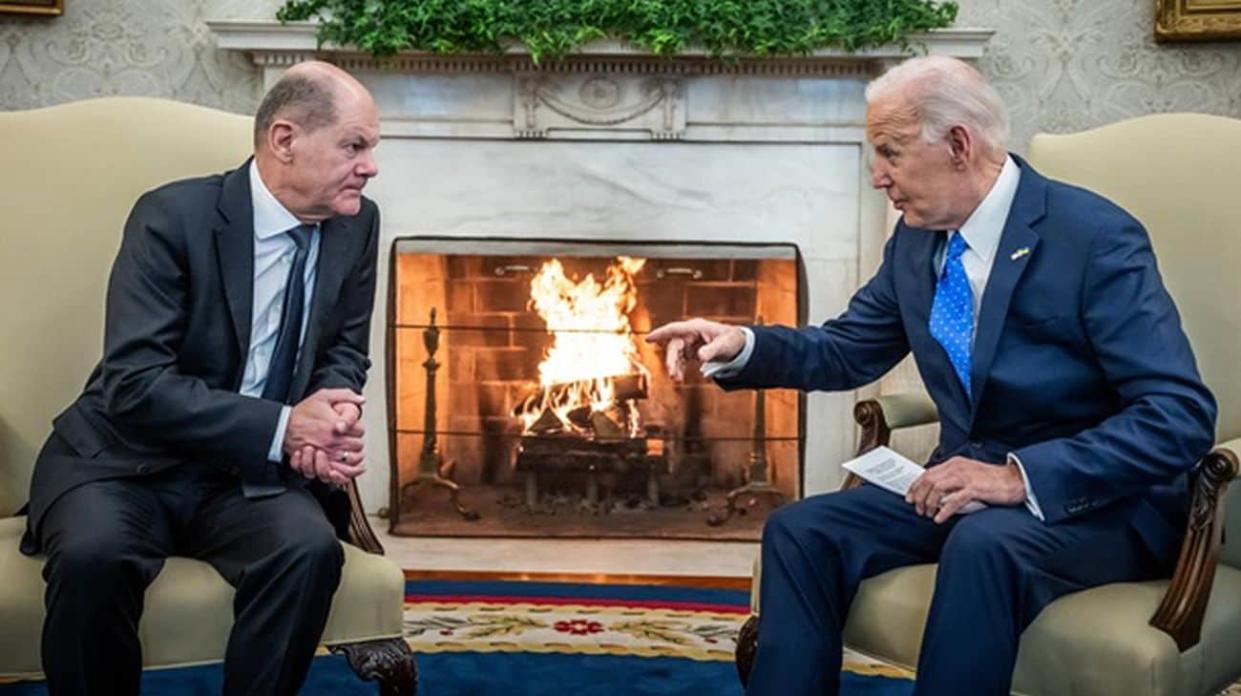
[528, 404]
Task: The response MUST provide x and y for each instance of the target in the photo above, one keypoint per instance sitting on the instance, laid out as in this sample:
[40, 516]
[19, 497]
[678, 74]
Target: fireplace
[746, 150]
[525, 401]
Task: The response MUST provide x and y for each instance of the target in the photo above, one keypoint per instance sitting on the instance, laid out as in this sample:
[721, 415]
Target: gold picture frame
[33, 7]
[1197, 20]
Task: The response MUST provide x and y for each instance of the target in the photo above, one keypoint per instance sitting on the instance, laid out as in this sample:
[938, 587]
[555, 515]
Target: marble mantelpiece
[613, 143]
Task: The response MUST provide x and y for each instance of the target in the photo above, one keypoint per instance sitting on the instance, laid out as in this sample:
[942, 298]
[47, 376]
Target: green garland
[555, 28]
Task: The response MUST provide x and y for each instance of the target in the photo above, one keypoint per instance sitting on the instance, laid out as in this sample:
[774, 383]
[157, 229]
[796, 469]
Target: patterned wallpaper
[1067, 65]
[127, 47]
[1062, 65]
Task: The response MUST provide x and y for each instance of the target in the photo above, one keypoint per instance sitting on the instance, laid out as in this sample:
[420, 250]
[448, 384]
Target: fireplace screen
[525, 402]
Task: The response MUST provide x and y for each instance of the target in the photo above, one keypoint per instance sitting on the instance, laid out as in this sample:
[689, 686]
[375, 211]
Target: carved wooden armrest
[878, 417]
[1185, 604]
[360, 533]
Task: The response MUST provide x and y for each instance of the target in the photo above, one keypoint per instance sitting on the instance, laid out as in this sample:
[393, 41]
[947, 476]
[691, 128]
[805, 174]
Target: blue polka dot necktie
[952, 311]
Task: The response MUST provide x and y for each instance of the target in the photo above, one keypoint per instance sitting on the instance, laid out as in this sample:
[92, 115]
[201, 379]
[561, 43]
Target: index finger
[950, 503]
[337, 395]
[917, 489]
[347, 470]
[676, 329]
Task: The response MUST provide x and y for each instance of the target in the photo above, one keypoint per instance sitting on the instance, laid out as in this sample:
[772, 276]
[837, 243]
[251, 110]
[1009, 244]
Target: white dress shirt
[982, 231]
[273, 255]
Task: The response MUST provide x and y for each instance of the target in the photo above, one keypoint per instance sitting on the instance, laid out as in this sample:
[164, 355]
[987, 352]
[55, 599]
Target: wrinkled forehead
[358, 113]
[891, 118]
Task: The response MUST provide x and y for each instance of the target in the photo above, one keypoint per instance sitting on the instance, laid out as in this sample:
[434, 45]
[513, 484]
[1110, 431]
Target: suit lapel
[330, 271]
[923, 272]
[235, 245]
[1018, 244]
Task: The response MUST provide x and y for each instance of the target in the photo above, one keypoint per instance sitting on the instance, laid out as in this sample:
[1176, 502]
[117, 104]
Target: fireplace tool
[431, 465]
[758, 484]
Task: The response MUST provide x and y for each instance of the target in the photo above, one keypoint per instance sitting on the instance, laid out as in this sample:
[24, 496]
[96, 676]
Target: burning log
[624, 388]
[547, 423]
[605, 428]
[629, 387]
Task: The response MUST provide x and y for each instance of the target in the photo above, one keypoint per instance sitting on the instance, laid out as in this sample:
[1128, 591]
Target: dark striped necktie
[265, 480]
[284, 358]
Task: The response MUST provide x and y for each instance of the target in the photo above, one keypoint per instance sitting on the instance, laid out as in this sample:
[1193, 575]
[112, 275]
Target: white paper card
[892, 471]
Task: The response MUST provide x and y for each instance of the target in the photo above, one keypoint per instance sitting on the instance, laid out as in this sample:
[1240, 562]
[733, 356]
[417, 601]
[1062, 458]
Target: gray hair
[946, 92]
[309, 101]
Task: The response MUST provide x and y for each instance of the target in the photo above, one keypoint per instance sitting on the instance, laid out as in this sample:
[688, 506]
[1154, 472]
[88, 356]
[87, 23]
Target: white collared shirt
[273, 255]
[982, 231]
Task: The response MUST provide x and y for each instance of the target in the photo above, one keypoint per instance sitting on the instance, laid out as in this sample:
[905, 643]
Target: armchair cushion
[907, 409]
[83, 166]
[189, 607]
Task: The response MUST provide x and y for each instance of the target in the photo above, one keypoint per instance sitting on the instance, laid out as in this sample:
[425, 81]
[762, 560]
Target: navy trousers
[998, 568]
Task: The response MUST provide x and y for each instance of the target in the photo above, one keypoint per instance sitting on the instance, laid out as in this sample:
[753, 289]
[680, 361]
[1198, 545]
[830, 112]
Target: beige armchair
[1180, 176]
[71, 174]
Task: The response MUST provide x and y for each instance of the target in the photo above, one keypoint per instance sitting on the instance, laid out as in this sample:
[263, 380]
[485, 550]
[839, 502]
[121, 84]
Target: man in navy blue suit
[1069, 400]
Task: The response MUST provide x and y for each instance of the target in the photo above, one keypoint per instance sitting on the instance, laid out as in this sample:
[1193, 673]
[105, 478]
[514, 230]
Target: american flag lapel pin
[1019, 253]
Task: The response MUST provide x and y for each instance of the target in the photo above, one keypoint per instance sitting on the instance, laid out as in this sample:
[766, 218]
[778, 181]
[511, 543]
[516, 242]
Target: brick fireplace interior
[554, 417]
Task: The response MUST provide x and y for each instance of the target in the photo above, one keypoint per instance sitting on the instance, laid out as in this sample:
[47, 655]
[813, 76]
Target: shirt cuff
[1031, 499]
[275, 453]
[723, 370]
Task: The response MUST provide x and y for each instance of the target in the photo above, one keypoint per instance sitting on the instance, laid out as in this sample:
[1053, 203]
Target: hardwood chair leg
[747, 644]
[388, 662]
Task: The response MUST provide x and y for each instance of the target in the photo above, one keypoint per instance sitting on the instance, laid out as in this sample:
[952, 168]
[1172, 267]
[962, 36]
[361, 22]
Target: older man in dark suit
[1069, 400]
[222, 419]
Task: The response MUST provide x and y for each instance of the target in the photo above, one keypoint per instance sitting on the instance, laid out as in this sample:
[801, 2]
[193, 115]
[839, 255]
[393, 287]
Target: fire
[592, 347]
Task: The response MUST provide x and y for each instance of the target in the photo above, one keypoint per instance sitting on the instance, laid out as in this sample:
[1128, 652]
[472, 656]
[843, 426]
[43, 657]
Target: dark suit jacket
[176, 337]
[1080, 366]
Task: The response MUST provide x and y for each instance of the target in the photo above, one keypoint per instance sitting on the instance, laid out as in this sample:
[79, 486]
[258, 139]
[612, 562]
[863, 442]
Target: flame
[592, 344]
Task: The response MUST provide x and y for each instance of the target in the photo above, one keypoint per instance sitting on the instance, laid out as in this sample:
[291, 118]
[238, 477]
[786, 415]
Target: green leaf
[555, 28]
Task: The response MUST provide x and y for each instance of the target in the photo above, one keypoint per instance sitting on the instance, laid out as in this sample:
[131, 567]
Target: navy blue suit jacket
[1081, 368]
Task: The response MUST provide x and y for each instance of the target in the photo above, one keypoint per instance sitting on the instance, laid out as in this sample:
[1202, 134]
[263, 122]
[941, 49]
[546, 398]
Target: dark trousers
[998, 568]
[106, 541]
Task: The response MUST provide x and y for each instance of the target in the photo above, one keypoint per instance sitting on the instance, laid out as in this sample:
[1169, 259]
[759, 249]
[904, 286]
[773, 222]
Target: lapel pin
[1019, 253]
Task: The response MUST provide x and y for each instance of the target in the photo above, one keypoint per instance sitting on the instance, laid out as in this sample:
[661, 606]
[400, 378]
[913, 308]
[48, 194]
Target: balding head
[939, 92]
[308, 94]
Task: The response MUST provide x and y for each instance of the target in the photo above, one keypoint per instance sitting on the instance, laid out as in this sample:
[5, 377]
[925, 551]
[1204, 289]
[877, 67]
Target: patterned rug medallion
[561, 638]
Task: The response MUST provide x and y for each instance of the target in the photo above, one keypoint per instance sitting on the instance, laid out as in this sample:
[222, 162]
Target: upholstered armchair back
[1181, 176]
[70, 175]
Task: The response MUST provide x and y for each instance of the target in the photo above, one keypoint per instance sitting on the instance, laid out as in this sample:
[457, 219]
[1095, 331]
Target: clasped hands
[323, 437]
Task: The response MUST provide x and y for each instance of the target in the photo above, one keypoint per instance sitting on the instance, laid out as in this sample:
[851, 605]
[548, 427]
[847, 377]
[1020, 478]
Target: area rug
[545, 638]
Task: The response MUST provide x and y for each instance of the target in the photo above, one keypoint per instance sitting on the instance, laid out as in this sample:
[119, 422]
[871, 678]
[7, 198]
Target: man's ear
[960, 146]
[280, 137]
